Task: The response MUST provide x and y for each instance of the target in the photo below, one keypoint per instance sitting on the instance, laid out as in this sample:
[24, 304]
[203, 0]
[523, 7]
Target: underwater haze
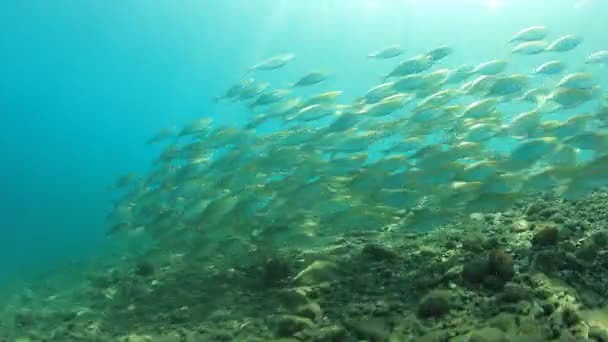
[84, 85]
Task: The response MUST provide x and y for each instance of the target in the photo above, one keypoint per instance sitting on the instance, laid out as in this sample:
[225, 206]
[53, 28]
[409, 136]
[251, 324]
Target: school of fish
[422, 146]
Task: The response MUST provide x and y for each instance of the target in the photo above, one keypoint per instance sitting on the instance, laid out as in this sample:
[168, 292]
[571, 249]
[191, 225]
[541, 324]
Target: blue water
[84, 83]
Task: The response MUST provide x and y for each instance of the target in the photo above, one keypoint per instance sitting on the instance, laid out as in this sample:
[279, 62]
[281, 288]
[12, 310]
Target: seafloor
[537, 272]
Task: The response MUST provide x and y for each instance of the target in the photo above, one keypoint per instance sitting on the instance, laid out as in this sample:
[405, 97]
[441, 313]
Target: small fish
[572, 97]
[312, 78]
[492, 67]
[479, 171]
[534, 95]
[437, 77]
[387, 105]
[565, 43]
[440, 53]
[551, 68]
[530, 48]
[125, 180]
[326, 97]
[410, 66]
[439, 98]
[508, 85]
[408, 83]
[590, 140]
[479, 85]
[252, 89]
[232, 92]
[530, 34]
[529, 152]
[599, 57]
[273, 63]
[481, 132]
[161, 135]
[269, 98]
[196, 127]
[313, 112]
[480, 108]
[459, 74]
[579, 80]
[388, 52]
[379, 92]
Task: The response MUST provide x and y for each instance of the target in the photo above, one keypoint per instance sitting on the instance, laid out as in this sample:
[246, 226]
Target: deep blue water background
[84, 83]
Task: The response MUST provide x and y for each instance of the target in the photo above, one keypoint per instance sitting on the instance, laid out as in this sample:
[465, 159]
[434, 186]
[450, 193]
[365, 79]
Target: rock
[494, 270]
[571, 225]
[275, 271]
[144, 269]
[311, 310]
[546, 236]
[599, 334]
[600, 239]
[520, 226]
[377, 252]
[570, 316]
[557, 218]
[535, 208]
[332, 333]
[587, 252]
[548, 261]
[473, 242]
[500, 264]
[475, 270]
[513, 293]
[24, 318]
[504, 321]
[548, 212]
[316, 273]
[434, 304]
[491, 243]
[488, 334]
[294, 297]
[288, 325]
[374, 329]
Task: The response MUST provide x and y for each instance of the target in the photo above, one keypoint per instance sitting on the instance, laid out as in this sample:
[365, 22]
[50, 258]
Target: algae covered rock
[275, 271]
[317, 273]
[377, 252]
[437, 303]
[475, 270]
[546, 236]
[144, 269]
[501, 265]
[310, 310]
[332, 333]
[513, 293]
[488, 334]
[493, 270]
[600, 239]
[288, 325]
[374, 329]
